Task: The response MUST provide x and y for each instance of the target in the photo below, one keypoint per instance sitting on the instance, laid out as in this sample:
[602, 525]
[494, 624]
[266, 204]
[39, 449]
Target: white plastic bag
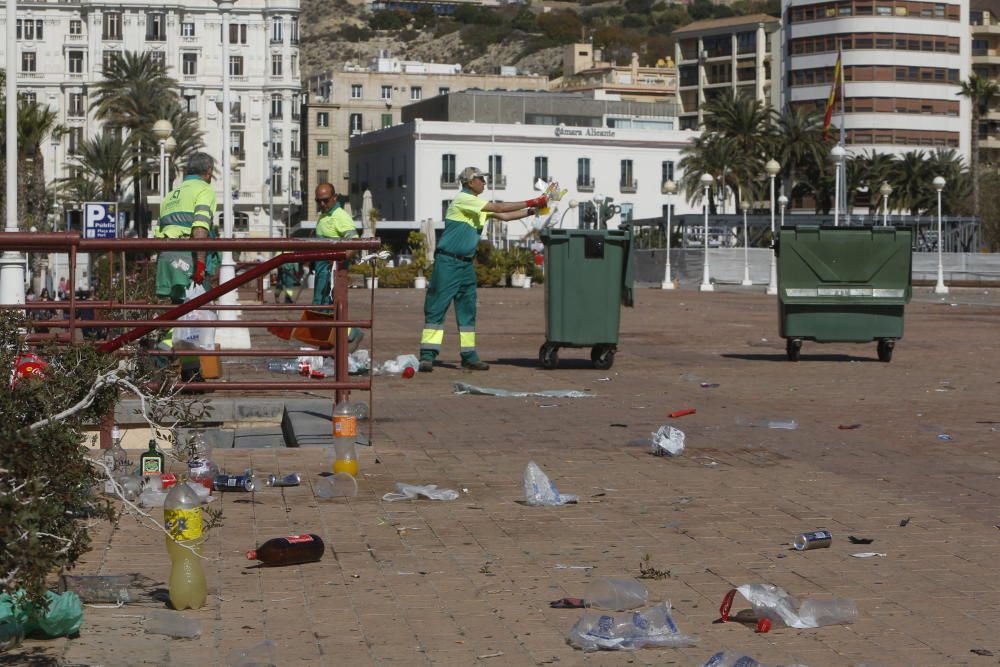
[412, 491]
[615, 594]
[539, 489]
[398, 365]
[203, 337]
[628, 631]
[668, 441]
[775, 604]
[359, 361]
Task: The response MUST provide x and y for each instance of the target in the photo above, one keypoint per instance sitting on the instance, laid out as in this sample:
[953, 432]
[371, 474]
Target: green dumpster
[588, 276]
[843, 285]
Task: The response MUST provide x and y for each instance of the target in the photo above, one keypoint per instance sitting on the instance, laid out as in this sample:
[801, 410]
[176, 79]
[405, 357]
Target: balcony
[238, 153]
[277, 40]
[584, 184]
[296, 152]
[238, 117]
[628, 187]
[448, 183]
[498, 181]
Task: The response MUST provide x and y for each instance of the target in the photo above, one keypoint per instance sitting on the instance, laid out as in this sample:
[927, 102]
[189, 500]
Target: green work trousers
[452, 280]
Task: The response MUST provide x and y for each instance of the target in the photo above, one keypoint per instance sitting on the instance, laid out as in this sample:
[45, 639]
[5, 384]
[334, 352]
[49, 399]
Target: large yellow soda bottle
[345, 432]
[182, 518]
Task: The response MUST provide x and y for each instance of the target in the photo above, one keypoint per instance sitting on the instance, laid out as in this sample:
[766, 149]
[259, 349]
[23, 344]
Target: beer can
[815, 539]
[233, 483]
[288, 480]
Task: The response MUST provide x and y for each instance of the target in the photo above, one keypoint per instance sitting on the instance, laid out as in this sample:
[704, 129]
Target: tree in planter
[521, 260]
[417, 241]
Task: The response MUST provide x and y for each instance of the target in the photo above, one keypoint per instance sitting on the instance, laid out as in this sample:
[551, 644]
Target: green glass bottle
[152, 461]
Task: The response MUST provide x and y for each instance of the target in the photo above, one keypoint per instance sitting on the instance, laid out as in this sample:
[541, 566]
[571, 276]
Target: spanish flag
[835, 92]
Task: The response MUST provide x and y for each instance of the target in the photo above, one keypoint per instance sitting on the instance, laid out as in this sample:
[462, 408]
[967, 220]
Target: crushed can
[233, 483]
[288, 480]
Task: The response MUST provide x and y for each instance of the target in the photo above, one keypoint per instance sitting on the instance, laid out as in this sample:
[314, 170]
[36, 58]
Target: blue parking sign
[100, 220]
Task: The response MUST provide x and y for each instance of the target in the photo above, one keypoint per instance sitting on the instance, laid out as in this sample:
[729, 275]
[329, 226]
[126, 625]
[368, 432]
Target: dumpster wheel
[793, 348]
[548, 354]
[885, 350]
[602, 356]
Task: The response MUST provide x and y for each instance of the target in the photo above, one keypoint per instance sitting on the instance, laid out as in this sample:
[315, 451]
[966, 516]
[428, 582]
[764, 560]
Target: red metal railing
[293, 250]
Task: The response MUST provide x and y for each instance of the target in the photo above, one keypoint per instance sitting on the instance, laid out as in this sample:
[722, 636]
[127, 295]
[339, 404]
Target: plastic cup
[340, 485]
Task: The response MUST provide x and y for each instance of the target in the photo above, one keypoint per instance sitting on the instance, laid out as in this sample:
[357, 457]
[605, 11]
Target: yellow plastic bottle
[345, 432]
[345, 459]
[183, 519]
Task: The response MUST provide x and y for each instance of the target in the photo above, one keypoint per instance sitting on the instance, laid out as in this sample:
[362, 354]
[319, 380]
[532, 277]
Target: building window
[277, 112]
[295, 143]
[276, 65]
[387, 120]
[386, 92]
[77, 105]
[666, 171]
[76, 27]
[277, 30]
[75, 139]
[295, 30]
[626, 180]
[235, 65]
[156, 27]
[112, 23]
[237, 33]
[355, 123]
[443, 90]
[322, 176]
[541, 168]
[187, 29]
[448, 168]
[276, 181]
[190, 104]
[29, 62]
[445, 203]
[108, 60]
[75, 62]
[323, 148]
[416, 92]
[295, 65]
[495, 167]
[583, 171]
[29, 29]
[356, 91]
[159, 58]
[189, 64]
[322, 119]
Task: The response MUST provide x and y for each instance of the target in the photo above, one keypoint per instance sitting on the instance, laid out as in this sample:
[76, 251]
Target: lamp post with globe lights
[11, 263]
[837, 155]
[706, 183]
[227, 268]
[772, 168]
[885, 190]
[162, 129]
[940, 288]
[171, 147]
[669, 188]
[782, 203]
[745, 205]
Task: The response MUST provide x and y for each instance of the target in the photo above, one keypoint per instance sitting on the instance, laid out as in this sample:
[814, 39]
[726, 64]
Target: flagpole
[843, 142]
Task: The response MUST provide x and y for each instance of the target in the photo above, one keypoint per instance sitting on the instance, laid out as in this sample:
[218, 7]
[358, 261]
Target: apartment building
[735, 55]
[63, 45]
[903, 62]
[354, 99]
[584, 71]
[984, 27]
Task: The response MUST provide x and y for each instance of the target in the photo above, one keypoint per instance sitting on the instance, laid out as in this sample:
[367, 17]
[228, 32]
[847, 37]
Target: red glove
[199, 272]
[537, 202]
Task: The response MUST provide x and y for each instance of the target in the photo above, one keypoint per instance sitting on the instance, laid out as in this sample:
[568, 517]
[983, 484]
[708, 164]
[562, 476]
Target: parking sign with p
[100, 220]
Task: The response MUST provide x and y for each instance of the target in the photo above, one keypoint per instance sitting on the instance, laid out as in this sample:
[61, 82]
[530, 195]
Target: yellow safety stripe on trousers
[432, 336]
[467, 340]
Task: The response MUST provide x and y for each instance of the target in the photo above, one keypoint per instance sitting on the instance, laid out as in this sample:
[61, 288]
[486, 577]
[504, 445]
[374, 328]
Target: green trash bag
[19, 618]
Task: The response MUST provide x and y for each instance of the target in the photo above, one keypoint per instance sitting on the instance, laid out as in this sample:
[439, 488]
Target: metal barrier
[293, 250]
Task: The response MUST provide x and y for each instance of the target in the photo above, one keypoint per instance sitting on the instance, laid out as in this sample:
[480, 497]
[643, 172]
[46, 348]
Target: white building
[63, 44]
[411, 169]
[902, 62]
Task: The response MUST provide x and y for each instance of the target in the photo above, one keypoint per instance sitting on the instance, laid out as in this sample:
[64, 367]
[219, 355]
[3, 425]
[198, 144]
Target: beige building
[739, 54]
[984, 19]
[353, 99]
[584, 71]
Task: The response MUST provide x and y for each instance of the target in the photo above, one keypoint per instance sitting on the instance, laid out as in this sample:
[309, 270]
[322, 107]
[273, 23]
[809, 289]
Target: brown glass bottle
[290, 550]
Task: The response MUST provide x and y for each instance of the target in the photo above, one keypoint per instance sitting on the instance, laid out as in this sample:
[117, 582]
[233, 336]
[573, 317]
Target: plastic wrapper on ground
[628, 631]
[463, 388]
[539, 489]
[413, 491]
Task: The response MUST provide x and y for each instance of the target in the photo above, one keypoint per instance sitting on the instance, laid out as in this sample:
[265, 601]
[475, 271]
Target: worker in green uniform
[454, 277]
[334, 223]
[186, 212]
[285, 282]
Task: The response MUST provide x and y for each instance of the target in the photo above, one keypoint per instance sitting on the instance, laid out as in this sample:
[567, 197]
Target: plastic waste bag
[628, 631]
[397, 365]
[359, 362]
[615, 594]
[668, 441]
[775, 604]
[257, 655]
[412, 491]
[539, 489]
[734, 659]
[462, 388]
[194, 336]
[19, 617]
[784, 424]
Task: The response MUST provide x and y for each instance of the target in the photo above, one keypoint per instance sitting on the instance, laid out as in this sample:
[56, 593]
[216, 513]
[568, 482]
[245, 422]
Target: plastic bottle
[616, 594]
[116, 459]
[345, 422]
[345, 458]
[731, 659]
[152, 461]
[182, 518]
[840, 611]
[290, 550]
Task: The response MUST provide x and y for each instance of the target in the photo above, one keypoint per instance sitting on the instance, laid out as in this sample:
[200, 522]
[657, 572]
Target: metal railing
[293, 250]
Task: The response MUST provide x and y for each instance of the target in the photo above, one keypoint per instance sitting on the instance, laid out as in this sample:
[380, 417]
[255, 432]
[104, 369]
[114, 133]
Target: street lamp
[782, 203]
[940, 288]
[745, 205]
[837, 155]
[706, 183]
[11, 263]
[885, 189]
[669, 188]
[572, 204]
[772, 168]
[171, 148]
[227, 268]
[598, 199]
[162, 129]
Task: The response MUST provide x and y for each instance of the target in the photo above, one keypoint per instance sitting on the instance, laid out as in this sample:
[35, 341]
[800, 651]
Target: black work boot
[476, 365]
[426, 366]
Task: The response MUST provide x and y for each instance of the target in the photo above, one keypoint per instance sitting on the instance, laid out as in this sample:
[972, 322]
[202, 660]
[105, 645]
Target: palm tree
[105, 161]
[744, 126]
[35, 123]
[959, 183]
[870, 170]
[980, 92]
[800, 142]
[912, 177]
[707, 154]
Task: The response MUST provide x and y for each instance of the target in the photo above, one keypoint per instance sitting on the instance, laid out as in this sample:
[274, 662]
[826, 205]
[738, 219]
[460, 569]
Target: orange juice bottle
[345, 459]
[345, 431]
